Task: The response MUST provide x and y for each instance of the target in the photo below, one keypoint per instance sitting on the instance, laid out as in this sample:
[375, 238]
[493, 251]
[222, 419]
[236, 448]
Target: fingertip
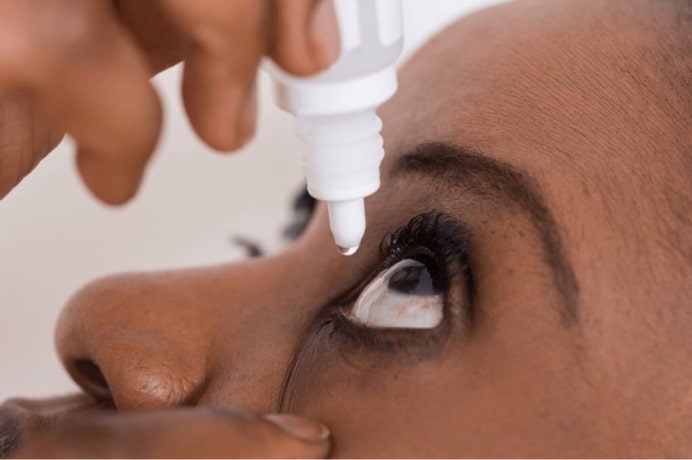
[307, 36]
[224, 136]
[233, 136]
[223, 112]
[325, 42]
[111, 182]
[300, 427]
[301, 437]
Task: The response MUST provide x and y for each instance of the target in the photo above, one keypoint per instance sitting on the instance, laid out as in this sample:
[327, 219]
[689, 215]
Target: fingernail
[299, 427]
[324, 31]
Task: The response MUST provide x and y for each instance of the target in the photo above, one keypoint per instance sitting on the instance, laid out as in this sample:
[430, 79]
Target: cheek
[379, 405]
[476, 398]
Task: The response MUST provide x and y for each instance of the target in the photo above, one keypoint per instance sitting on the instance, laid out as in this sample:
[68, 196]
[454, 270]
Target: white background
[54, 237]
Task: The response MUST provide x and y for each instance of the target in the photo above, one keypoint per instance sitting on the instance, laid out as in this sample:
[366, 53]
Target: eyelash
[438, 237]
[433, 239]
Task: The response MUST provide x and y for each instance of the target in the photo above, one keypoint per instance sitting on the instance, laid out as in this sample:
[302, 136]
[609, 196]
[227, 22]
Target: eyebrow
[464, 166]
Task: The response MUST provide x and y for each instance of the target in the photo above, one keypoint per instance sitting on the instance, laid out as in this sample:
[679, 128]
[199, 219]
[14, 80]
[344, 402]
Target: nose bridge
[221, 334]
[256, 343]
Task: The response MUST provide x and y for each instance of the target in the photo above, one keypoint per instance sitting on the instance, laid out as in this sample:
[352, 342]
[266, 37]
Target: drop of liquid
[347, 251]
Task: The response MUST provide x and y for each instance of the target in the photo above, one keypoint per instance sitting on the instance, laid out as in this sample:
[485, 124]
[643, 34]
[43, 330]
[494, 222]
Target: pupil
[412, 280]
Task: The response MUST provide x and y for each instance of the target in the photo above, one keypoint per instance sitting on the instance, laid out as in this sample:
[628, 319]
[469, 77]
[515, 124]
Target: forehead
[531, 83]
[499, 82]
[556, 88]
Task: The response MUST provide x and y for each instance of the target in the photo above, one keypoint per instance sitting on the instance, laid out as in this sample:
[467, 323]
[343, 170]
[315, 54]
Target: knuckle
[32, 36]
[75, 32]
[15, 47]
[216, 30]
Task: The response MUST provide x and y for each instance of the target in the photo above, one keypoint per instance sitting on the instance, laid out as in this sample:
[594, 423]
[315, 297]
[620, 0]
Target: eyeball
[403, 296]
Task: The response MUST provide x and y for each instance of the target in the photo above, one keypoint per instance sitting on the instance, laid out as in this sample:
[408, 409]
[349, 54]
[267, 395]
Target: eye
[402, 296]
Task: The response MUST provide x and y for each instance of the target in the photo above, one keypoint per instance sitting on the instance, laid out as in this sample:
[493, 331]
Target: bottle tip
[347, 251]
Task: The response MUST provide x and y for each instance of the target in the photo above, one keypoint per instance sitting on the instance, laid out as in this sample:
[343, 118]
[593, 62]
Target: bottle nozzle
[347, 221]
[336, 113]
[347, 251]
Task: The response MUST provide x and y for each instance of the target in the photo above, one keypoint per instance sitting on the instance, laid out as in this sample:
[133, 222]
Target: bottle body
[335, 113]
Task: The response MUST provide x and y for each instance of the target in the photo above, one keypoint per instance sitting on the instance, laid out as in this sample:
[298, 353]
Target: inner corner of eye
[401, 296]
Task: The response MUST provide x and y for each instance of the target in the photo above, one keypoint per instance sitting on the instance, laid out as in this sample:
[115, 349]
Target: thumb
[305, 35]
[192, 432]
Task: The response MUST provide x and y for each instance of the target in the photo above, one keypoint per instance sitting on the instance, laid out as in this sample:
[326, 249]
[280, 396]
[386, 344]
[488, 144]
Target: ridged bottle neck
[342, 154]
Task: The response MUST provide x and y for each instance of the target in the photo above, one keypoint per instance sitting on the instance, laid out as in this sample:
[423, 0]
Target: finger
[25, 139]
[88, 79]
[22, 420]
[156, 36]
[183, 433]
[305, 35]
[228, 40]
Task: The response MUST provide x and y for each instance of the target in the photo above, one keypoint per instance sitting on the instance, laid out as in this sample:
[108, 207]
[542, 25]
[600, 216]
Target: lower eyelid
[344, 332]
[357, 344]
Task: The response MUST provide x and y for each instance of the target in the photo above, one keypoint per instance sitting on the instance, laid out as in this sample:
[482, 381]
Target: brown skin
[83, 67]
[541, 86]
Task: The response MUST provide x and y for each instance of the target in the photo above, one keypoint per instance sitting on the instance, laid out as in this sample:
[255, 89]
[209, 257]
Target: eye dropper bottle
[335, 113]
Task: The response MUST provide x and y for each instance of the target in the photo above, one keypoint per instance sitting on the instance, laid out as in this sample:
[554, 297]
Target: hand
[25, 139]
[83, 67]
[76, 427]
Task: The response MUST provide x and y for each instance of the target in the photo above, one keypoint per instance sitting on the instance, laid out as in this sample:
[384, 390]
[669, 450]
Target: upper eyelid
[425, 236]
[442, 235]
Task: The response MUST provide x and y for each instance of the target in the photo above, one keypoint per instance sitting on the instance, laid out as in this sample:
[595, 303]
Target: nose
[222, 334]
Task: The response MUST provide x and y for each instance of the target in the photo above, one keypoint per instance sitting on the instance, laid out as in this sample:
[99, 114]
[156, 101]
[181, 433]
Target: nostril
[90, 377]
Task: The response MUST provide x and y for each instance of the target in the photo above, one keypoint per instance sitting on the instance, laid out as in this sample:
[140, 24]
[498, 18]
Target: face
[521, 284]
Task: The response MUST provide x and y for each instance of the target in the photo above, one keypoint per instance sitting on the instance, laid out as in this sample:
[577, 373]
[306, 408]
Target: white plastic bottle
[335, 113]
